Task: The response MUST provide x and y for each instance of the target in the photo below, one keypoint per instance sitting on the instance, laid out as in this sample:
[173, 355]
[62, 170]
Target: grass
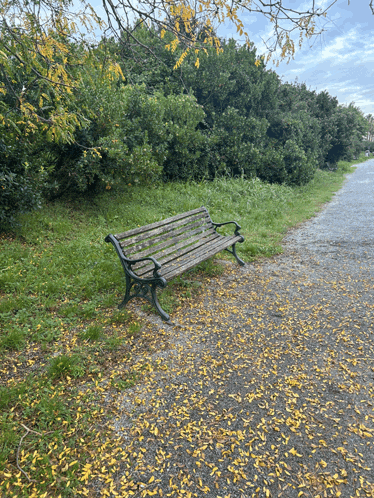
[13, 340]
[92, 333]
[63, 343]
[65, 365]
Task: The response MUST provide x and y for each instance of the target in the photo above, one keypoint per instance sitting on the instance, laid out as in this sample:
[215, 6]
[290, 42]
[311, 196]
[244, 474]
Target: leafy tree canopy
[37, 37]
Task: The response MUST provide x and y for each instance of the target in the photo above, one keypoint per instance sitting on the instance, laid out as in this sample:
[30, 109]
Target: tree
[40, 76]
[36, 38]
[349, 126]
[194, 23]
[370, 133]
[38, 62]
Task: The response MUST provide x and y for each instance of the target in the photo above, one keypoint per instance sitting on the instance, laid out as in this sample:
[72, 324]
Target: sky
[340, 60]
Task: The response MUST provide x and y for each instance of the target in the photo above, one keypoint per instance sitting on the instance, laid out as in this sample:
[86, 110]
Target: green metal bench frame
[154, 254]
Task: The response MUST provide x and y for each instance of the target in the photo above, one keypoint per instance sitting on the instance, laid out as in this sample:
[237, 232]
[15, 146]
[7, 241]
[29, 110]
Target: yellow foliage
[39, 44]
[41, 54]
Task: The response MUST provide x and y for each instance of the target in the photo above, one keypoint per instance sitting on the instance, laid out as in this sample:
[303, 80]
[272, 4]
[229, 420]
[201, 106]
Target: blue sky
[340, 61]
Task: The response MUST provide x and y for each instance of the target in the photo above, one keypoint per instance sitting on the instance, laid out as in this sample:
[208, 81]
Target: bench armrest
[237, 226]
[149, 258]
[111, 238]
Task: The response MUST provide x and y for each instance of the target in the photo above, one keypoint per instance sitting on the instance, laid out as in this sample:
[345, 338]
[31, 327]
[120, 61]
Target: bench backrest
[168, 236]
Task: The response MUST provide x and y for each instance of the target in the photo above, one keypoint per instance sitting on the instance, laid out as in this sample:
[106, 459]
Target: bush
[290, 165]
[186, 146]
[131, 136]
[20, 180]
[115, 144]
[17, 195]
[349, 125]
[300, 169]
[237, 142]
[272, 168]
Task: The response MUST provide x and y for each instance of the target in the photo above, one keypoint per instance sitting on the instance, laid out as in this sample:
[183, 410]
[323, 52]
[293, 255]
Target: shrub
[349, 125]
[299, 168]
[18, 194]
[272, 168]
[187, 147]
[131, 136]
[20, 179]
[238, 140]
[114, 145]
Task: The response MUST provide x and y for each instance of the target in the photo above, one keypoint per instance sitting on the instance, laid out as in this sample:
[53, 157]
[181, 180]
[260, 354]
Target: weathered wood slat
[152, 242]
[196, 259]
[156, 224]
[165, 229]
[182, 247]
[169, 245]
[176, 266]
[176, 254]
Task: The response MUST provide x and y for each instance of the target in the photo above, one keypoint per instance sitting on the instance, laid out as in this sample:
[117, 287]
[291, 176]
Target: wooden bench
[154, 254]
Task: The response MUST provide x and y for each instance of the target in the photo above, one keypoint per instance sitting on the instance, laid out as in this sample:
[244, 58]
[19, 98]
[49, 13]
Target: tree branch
[19, 448]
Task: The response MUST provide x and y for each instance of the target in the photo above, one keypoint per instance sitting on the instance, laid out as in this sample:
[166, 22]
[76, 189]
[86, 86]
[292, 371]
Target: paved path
[343, 231]
[268, 387]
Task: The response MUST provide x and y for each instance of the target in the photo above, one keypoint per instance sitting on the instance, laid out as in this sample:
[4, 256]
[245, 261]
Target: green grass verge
[62, 339]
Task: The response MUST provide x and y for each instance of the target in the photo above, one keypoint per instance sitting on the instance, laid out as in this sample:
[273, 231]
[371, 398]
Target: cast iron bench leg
[164, 315]
[127, 297]
[240, 261]
[142, 290]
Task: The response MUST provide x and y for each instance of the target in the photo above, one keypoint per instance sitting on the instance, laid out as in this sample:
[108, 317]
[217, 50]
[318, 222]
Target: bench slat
[152, 242]
[174, 245]
[199, 258]
[167, 229]
[180, 265]
[157, 224]
[174, 253]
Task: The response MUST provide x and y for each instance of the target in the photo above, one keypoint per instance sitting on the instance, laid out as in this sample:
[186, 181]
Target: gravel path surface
[266, 388]
[343, 231]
